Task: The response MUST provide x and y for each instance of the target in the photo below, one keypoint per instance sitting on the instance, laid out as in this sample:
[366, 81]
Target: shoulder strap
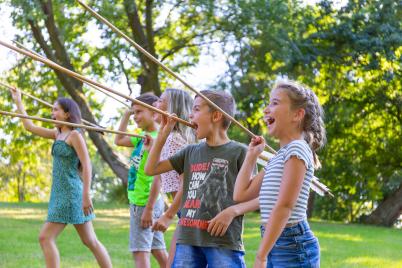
[67, 135]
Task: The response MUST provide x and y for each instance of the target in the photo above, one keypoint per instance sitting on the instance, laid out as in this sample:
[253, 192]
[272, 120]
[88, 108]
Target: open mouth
[195, 125]
[269, 120]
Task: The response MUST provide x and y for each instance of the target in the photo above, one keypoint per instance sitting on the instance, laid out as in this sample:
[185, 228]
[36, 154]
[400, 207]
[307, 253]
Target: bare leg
[88, 237]
[47, 240]
[141, 259]
[172, 250]
[161, 256]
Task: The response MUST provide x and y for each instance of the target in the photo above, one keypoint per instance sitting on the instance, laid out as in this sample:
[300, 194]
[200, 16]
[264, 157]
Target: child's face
[278, 115]
[143, 117]
[201, 117]
[161, 104]
[58, 113]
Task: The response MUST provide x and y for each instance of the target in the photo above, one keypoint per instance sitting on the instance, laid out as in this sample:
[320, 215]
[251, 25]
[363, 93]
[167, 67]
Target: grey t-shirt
[209, 178]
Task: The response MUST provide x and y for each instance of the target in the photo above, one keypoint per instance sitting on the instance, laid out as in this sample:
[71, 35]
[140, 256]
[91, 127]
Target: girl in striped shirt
[294, 117]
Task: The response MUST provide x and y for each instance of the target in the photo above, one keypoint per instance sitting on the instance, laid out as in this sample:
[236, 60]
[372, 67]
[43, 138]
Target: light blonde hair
[181, 103]
[313, 122]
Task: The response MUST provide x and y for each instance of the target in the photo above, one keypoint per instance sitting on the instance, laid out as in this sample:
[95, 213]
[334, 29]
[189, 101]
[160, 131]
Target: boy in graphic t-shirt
[211, 224]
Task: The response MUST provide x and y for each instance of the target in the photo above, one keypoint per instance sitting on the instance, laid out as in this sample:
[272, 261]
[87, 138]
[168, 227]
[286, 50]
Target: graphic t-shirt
[139, 184]
[209, 178]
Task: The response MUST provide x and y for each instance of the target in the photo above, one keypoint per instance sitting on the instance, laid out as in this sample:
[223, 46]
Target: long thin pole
[98, 129]
[167, 69]
[76, 75]
[43, 102]
[95, 87]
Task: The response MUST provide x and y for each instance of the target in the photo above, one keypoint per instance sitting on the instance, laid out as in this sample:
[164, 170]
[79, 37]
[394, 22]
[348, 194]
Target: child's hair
[313, 121]
[223, 100]
[148, 98]
[71, 107]
[180, 103]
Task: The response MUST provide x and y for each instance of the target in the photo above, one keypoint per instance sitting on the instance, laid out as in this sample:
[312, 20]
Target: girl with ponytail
[295, 117]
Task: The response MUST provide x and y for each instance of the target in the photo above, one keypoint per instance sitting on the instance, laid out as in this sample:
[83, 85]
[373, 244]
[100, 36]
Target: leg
[142, 259]
[224, 258]
[172, 249]
[47, 240]
[158, 241]
[88, 237]
[161, 256]
[140, 238]
[188, 256]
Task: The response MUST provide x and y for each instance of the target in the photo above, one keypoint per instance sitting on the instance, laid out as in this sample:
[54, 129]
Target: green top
[139, 184]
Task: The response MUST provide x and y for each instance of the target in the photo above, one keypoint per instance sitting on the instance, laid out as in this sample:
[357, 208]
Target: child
[295, 118]
[210, 226]
[143, 190]
[70, 201]
[179, 102]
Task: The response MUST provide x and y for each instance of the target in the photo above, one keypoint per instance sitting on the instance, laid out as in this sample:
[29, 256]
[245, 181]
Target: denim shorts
[296, 247]
[143, 239]
[188, 256]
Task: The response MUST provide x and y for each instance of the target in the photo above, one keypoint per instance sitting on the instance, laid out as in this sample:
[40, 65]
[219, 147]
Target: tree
[351, 58]
[57, 29]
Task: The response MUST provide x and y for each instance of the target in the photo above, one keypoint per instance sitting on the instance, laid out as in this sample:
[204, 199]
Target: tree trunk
[149, 79]
[388, 211]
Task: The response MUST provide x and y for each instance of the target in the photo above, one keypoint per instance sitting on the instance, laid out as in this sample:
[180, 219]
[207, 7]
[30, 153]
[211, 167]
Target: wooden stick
[43, 102]
[93, 86]
[78, 76]
[97, 129]
[167, 69]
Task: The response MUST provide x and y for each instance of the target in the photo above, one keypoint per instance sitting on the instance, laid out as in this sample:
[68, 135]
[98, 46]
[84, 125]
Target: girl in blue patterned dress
[70, 201]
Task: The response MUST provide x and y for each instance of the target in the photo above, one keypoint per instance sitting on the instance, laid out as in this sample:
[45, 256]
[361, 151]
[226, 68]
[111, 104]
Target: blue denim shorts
[296, 247]
[188, 256]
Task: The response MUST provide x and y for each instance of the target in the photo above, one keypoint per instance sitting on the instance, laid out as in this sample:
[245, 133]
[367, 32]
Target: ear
[216, 116]
[299, 114]
[67, 116]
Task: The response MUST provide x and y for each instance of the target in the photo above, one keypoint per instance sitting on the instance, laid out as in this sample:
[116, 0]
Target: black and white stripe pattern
[273, 177]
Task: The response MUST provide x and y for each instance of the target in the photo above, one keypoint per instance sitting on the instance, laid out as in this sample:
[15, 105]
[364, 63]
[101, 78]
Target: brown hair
[71, 107]
[224, 101]
[148, 98]
[313, 121]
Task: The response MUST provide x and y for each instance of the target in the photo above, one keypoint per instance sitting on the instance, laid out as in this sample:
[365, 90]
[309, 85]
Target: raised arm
[28, 124]
[80, 147]
[120, 139]
[248, 187]
[154, 166]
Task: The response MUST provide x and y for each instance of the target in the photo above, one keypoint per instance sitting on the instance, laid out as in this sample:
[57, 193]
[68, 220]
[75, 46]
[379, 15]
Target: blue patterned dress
[65, 205]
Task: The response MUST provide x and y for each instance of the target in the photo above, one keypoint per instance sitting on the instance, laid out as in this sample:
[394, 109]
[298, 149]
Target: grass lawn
[341, 245]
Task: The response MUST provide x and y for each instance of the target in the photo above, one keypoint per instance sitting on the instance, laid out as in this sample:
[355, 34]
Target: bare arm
[247, 187]
[164, 221]
[154, 166]
[78, 143]
[146, 218]
[292, 181]
[120, 139]
[28, 124]
[220, 223]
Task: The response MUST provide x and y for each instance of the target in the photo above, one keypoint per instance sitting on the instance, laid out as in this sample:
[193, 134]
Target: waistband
[298, 228]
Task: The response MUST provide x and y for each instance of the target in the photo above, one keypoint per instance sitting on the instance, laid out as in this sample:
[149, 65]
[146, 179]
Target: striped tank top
[273, 177]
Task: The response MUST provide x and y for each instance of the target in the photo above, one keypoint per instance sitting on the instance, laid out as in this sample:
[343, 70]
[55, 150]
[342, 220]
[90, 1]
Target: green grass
[341, 245]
